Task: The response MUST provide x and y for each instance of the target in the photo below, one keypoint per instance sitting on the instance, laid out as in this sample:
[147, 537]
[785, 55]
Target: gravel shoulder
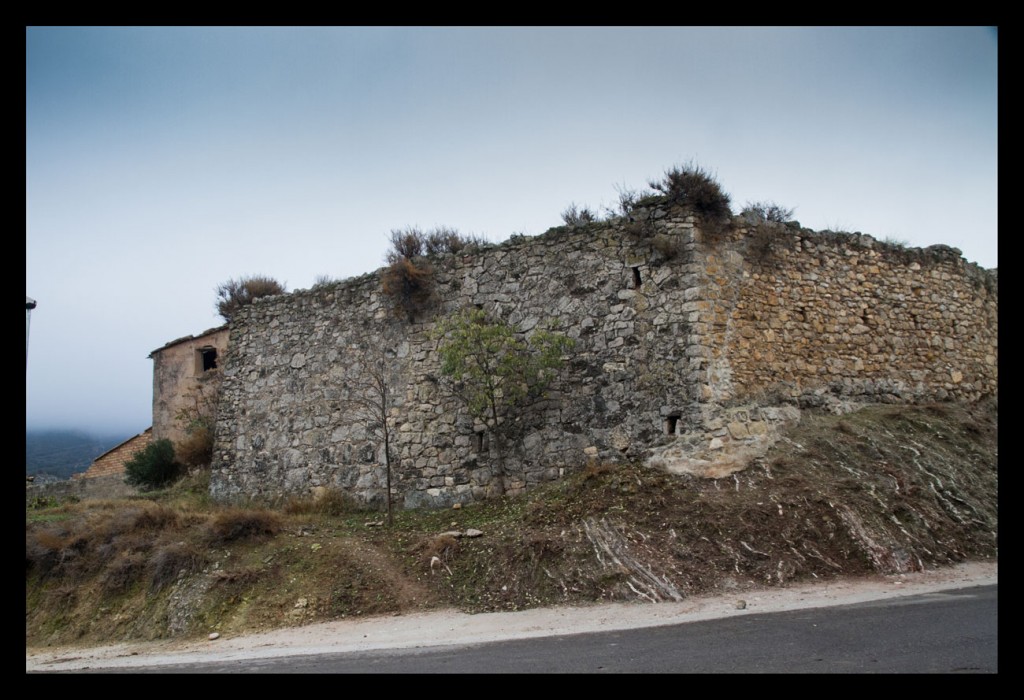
[450, 627]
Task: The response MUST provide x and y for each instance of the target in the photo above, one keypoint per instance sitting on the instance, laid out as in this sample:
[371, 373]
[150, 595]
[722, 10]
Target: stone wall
[791, 309]
[680, 336]
[100, 487]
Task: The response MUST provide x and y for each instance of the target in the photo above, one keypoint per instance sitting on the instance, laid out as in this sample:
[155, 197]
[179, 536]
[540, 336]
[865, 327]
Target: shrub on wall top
[578, 216]
[762, 212]
[692, 186]
[234, 294]
[408, 280]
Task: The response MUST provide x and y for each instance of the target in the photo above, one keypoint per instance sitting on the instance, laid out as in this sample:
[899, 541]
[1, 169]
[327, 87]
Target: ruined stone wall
[92, 488]
[286, 427]
[793, 310]
[677, 338]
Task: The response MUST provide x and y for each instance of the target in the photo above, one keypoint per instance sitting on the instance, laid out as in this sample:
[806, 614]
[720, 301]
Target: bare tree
[372, 400]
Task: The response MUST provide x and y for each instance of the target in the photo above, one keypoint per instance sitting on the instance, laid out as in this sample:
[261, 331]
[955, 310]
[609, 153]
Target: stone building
[691, 348]
[186, 376]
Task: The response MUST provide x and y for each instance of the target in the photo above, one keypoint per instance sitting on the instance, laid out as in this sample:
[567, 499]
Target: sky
[162, 162]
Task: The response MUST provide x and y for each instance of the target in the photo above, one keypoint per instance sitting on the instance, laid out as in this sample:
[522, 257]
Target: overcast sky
[161, 162]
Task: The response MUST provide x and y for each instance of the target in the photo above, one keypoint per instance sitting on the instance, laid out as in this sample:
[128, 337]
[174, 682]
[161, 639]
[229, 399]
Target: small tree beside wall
[372, 401]
[496, 371]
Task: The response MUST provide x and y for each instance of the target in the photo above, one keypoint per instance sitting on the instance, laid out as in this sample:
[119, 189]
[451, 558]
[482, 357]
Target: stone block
[738, 430]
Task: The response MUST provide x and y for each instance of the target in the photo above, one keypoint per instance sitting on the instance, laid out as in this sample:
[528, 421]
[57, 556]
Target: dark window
[481, 442]
[636, 278]
[207, 359]
[671, 424]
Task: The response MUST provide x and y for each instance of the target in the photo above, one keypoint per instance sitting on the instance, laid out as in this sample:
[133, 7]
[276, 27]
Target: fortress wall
[679, 339]
[844, 311]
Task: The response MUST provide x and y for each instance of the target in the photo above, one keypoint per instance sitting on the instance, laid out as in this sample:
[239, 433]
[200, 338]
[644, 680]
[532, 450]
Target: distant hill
[61, 453]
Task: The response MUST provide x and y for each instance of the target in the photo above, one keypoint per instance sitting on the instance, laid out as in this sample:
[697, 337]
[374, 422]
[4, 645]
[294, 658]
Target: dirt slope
[886, 489]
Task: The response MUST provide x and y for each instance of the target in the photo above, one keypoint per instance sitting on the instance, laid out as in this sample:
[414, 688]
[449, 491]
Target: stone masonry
[691, 350]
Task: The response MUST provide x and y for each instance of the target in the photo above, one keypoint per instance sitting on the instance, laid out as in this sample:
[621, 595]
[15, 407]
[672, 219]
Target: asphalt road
[952, 631]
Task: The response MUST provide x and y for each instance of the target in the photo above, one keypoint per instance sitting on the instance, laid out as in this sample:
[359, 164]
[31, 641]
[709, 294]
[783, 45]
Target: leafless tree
[372, 400]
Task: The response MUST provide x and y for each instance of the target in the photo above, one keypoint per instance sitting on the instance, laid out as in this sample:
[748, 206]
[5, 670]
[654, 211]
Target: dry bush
[443, 547]
[236, 576]
[640, 228]
[443, 241]
[578, 216]
[668, 246]
[43, 549]
[323, 281]
[234, 294]
[692, 186]
[766, 212]
[597, 469]
[410, 286]
[329, 502]
[406, 244]
[123, 570]
[62, 597]
[236, 524]
[169, 561]
[148, 518]
[766, 240]
[409, 279]
[196, 450]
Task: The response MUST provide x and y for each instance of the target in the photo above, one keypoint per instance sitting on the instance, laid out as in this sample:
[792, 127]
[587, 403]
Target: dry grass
[234, 524]
[330, 502]
[880, 490]
[171, 561]
[196, 450]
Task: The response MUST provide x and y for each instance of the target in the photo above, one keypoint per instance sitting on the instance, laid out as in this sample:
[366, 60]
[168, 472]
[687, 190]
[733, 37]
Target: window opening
[481, 442]
[636, 278]
[671, 424]
[206, 360]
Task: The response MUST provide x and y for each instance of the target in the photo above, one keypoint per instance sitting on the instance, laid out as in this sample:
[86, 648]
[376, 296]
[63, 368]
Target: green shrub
[43, 502]
[153, 466]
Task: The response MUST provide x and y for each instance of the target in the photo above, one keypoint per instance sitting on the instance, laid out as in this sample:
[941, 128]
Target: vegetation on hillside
[886, 489]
